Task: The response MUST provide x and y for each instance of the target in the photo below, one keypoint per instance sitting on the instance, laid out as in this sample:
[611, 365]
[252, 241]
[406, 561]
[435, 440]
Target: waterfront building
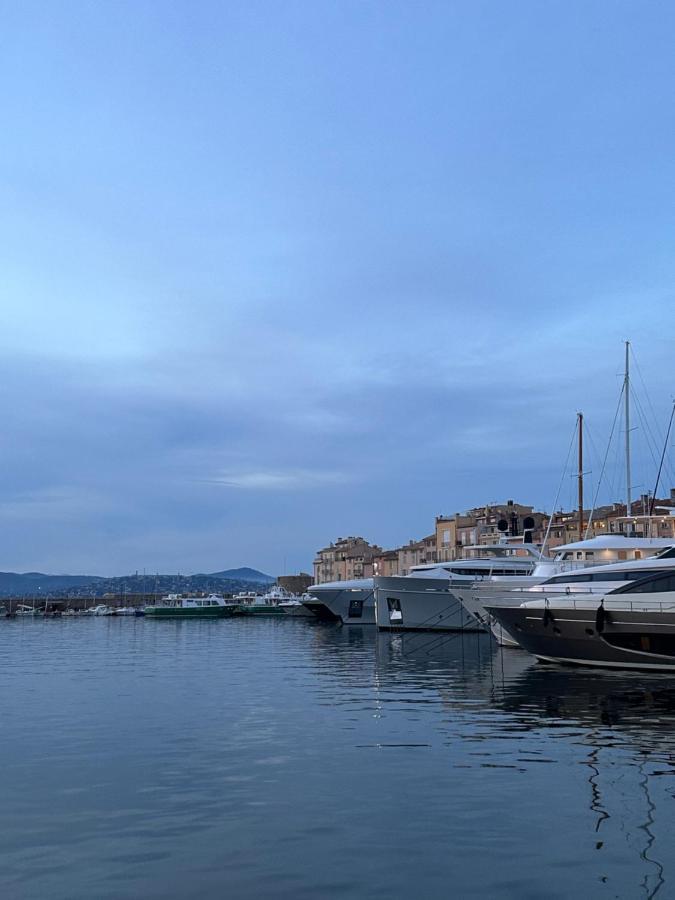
[354, 557]
[386, 563]
[348, 558]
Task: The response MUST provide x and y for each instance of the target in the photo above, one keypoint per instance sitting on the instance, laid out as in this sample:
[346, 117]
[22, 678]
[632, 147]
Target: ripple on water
[287, 758]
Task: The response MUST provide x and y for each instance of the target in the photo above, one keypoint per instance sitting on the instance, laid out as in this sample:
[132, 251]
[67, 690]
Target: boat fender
[548, 615]
[601, 617]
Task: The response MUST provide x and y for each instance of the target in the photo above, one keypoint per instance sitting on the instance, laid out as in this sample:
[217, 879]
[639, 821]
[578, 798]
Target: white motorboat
[24, 610]
[295, 606]
[425, 599]
[102, 610]
[570, 563]
[629, 627]
[350, 602]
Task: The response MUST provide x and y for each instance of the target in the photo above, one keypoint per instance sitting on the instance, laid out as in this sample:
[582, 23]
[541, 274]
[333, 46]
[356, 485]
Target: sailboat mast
[626, 390]
[580, 418]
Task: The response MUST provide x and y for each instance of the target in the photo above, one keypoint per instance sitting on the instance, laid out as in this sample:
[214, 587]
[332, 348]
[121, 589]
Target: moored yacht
[569, 565]
[632, 626]
[350, 602]
[425, 599]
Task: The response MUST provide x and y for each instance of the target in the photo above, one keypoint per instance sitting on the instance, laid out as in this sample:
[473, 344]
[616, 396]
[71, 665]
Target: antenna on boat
[580, 476]
[663, 456]
[626, 389]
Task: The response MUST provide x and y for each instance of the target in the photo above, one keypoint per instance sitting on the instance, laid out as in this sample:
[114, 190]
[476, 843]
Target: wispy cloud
[298, 479]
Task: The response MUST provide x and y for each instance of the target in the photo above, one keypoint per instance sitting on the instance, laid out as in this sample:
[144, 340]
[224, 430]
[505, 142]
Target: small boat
[102, 610]
[173, 606]
[125, 611]
[295, 606]
[25, 610]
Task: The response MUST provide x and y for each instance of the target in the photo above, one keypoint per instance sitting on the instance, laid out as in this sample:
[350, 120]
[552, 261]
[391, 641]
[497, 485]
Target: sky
[276, 272]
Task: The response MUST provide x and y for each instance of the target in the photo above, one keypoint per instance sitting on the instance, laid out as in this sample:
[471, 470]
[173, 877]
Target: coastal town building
[386, 563]
[354, 557]
[347, 558]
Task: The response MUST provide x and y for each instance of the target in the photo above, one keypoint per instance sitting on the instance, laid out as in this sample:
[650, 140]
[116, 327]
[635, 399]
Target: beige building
[347, 558]
[386, 563]
[354, 557]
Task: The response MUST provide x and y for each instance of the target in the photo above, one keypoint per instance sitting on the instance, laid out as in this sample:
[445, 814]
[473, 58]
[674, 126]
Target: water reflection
[261, 757]
[617, 728]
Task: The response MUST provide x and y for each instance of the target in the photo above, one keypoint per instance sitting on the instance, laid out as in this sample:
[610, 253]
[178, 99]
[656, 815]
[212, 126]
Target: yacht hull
[351, 606]
[475, 602]
[630, 639]
[420, 604]
[205, 612]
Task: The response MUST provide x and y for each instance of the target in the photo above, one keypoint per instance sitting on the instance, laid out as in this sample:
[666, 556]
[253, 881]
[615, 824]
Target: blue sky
[274, 272]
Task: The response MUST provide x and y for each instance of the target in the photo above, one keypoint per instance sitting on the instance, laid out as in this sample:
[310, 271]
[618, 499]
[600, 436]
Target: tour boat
[249, 603]
[173, 606]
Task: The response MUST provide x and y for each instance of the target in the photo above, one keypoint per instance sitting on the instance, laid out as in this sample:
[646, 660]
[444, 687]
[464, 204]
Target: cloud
[302, 479]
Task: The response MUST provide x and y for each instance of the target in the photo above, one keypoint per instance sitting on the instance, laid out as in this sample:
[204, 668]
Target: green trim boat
[174, 606]
[248, 603]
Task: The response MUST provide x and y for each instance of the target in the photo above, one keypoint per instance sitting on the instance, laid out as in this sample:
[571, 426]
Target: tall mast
[580, 476]
[626, 390]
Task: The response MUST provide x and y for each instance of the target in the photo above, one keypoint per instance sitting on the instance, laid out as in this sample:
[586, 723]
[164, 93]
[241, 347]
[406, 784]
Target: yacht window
[395, 614]
[355, 609]
[651, 585]
[659, 644]
[583, 577]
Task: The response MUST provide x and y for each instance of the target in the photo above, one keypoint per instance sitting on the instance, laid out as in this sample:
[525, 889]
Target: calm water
[145, 759]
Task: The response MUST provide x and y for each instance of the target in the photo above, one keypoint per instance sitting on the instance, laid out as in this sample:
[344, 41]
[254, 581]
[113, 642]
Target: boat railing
[660, 606]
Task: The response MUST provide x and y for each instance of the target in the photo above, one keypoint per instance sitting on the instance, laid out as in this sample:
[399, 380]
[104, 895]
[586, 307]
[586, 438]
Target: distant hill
[36, 584]
[244, 574]
[19, 584]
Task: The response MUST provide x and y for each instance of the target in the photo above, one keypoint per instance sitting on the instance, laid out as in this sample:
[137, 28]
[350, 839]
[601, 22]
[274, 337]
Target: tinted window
[651, 585]
[660, 644]
[355, 609]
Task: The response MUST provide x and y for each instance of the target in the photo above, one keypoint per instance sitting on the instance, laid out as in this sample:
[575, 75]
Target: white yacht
[425, 599]
[569, 558]
[629, 627]
[350, 602]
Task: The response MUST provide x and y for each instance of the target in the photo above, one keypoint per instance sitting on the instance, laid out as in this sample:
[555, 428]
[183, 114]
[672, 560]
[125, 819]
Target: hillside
[35, 584]
[244, 574]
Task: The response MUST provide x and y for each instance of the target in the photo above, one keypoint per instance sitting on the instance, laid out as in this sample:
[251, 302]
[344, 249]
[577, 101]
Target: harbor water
[275, 758]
